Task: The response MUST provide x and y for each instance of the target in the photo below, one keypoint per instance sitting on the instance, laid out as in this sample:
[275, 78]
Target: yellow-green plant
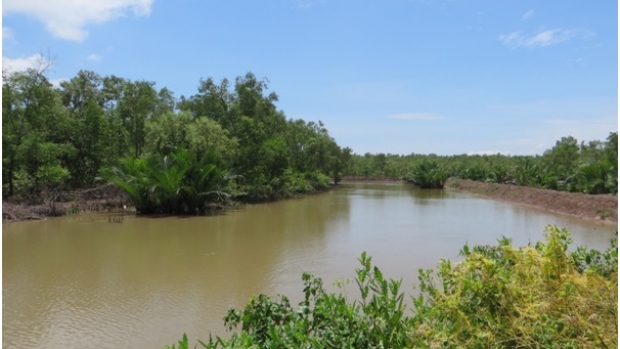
[530, 297]
[500, 296]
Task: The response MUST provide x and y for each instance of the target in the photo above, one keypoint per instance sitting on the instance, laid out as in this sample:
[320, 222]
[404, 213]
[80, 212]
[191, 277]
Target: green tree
[30, 111]
[168, 132]
[136, 105]
[207, 135]
[563, 158]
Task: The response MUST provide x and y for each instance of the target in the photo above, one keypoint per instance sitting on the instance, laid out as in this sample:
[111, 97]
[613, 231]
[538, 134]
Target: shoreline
[106, 198]
[599, 208]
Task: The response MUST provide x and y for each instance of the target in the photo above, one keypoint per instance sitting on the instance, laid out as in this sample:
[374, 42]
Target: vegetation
[540, 296]
[152, 144]
[178, 183]
[427, 175]
[590, 168]
[96, 127]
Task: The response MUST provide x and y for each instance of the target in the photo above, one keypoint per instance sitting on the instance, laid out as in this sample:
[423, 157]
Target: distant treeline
[67, 137]
[228, 139]
[570, 166]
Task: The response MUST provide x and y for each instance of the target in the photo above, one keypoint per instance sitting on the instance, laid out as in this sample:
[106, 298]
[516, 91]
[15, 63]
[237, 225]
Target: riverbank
[585, 206]
[370, 179]
[105, 198]
[602, 208]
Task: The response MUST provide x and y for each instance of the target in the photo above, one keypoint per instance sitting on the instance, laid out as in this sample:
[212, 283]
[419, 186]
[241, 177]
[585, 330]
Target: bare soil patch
[369, 179]
[585, 206]
[101, 199]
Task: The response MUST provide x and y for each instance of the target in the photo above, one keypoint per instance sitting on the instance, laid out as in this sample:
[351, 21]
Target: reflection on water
[85, 282]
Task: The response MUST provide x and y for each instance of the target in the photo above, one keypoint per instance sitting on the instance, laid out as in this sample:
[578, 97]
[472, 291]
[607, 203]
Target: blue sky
[392, 76]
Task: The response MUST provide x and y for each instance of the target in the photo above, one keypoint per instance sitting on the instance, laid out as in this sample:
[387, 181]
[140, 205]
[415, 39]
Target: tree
[92, 134]
[212, 101]
[563, 158]
[28, 103]
[136, 105]
[206, 135]
[168, 132]
[81, 90]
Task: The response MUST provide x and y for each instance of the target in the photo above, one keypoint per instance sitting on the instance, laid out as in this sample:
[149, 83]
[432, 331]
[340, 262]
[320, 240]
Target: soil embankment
[107, 198]
[369, 179]
[100, 199]
[585, 206]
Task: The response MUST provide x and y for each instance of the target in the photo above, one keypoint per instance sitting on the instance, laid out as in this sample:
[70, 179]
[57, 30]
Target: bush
[317, 180]
[178, 183]
[497, 297]
[428, 175]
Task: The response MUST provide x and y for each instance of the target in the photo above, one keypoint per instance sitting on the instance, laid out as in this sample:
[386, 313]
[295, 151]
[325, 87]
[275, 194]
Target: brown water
[84, 282]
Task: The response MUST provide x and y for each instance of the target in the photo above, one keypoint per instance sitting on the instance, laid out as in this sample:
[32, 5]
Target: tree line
[95, 127]
[569, 165]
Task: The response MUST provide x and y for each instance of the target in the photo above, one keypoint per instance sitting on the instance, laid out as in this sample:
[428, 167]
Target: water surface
[83, 281]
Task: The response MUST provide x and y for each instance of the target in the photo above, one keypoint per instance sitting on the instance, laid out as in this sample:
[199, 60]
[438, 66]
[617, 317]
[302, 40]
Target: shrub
[178, 183]
[427, 175]
[498, 297]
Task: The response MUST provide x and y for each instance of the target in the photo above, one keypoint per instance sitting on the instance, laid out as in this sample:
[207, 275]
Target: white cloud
[529, 14]
[12, 65]
[56, 82]
[488, 152]
[94, 57]
[544, 136]
[7, 33]
[66, 19]
[304, 4]
[587, 129]
[416, 116]
[510, 38]
[543, 38]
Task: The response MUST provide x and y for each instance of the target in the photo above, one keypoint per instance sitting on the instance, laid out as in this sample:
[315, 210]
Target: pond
[117, 280]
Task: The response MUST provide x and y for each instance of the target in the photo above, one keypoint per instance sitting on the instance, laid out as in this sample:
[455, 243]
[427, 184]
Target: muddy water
[87, 282]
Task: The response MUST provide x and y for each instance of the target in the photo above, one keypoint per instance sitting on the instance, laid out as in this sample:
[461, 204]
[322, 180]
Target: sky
[391, 76]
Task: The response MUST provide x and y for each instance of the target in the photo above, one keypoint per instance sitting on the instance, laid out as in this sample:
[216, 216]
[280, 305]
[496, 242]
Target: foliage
[500, 296]
[178, 183]
[532, 297]
[93, 122]
[428, 175]
[325, 320]
[588, 168]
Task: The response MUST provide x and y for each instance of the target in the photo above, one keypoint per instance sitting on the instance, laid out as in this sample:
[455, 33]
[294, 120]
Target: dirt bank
[108, 198]
[101, 199]
[369, 179]
[585, 206]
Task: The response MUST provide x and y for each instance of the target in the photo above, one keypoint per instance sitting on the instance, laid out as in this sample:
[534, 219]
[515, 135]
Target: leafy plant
[178, 183]
[428, 175]
[497, 297]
